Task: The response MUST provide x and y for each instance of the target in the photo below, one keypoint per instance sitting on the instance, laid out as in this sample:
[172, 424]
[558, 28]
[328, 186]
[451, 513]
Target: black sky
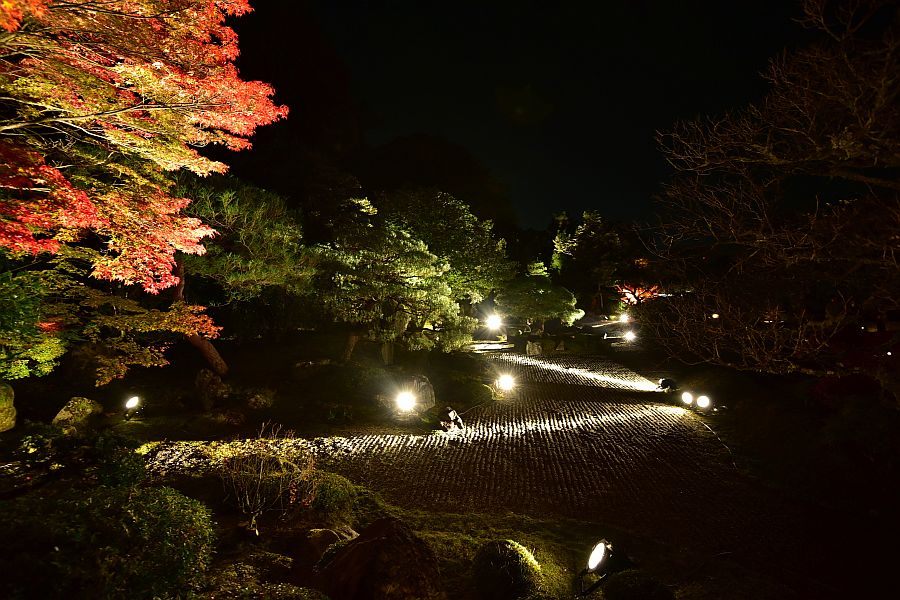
[559, 103]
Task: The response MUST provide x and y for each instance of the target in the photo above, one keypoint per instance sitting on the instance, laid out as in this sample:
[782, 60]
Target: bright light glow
[494, 322]
[634, 381]
[597, 556]
[715, 315]
[629, 336]
[506, 382]
[703, 402]
[889, 353]
[132, 402]
[624, 318]
[406, 401]
[687, 397]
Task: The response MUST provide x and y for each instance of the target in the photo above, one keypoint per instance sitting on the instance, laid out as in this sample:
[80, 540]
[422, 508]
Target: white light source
[715, 315]
[406, 401]
[132, 405]
[506, 382]
[703, 402]
[630, 336]
[624, 318]
[596, 557]
[687, 398]
[494, 322]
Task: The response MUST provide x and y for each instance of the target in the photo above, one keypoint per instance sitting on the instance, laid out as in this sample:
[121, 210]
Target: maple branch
[109, 113]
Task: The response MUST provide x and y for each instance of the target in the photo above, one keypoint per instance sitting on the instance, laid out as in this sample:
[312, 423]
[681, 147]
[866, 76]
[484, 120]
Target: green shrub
[104, 542]
[117, 460]
[505, 570]
[333, 498]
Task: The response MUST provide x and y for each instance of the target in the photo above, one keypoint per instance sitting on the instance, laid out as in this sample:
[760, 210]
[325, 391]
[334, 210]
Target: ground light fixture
[703, 403]
[687, 398]
[494, 322]
[597, 566]
[506, 382]
[630, 336]
[405, 401]
[624, 318]
[132, 406]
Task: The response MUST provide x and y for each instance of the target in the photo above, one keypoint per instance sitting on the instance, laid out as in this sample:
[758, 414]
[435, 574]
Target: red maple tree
[100, 97]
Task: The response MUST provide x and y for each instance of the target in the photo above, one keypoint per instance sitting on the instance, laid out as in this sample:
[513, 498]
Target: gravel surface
[585, 438]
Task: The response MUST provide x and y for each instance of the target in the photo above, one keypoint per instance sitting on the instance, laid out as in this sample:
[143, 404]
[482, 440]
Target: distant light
[624, 318]
[132, 406]
[889, 353]
[687, 398]
[494, 322]
[506, 382]
[406, 401]
[630, 336]
[715, 315]
[598, 554]
[703, 402]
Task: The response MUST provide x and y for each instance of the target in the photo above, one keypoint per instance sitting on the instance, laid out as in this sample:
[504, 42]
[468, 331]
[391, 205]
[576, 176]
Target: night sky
[546, 108]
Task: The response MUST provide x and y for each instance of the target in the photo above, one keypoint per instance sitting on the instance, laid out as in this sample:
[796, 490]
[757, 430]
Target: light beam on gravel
[637, 383]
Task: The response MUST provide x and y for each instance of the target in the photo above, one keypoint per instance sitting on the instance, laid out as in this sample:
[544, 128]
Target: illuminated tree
[783, 217]
[98, 98]
[258, 248]
[536, 299]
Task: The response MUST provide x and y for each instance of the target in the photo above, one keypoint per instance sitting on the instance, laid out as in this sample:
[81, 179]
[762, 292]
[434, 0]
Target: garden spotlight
[405, 401]
[630, 336]
[624, 318]
[132, 406]
[494, 322]
[597, 564]
[506, 382]
[687, 398]
[703, 402]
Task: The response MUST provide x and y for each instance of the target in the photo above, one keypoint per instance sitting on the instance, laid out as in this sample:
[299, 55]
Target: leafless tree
[783, 217]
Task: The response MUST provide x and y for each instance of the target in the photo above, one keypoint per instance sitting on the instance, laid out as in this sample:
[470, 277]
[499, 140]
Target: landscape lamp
[506, 382]
[702, 403]
[132, 406]
[494, 322]
[630, 336]
[597, 565]
[405, 401]
[624, 318]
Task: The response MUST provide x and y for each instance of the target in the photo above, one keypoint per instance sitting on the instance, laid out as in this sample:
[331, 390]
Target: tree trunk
[206, 347]
[387, 353]
[352, 338]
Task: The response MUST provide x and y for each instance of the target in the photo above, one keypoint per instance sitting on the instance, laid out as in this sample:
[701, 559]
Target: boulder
[210, 389]
[533, 348]
[7, 410]
[75, 414]
[386, 561]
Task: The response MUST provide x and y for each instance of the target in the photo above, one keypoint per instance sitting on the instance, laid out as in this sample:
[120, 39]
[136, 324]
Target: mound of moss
[505, 570]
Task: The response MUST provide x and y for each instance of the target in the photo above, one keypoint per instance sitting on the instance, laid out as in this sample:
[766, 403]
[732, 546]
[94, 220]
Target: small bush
[505, 570]
[117, 460]
[258, 480]
[104, 542]
[333, 497]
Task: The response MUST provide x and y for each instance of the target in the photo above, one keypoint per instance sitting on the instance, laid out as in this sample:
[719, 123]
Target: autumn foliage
[112, 94]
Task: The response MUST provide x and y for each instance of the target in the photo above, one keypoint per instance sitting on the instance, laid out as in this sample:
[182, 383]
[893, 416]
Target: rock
[310, 549]
[261, 399]
[387, 560]
[7, 410]
[76, 413]
[533, 348]
[424, 392]
[210, 389]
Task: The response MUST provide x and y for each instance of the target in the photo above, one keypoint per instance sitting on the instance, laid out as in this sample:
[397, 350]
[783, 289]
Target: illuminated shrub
[505, 570]
[104, 542]
[117, 463]
[333, 498]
